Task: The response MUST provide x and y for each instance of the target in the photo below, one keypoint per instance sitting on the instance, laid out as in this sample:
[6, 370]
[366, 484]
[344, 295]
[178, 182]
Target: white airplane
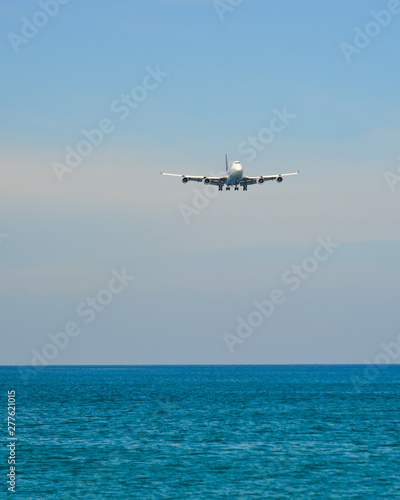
[234, 177]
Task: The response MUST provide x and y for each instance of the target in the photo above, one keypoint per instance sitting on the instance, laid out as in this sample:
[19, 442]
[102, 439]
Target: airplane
[234, 177]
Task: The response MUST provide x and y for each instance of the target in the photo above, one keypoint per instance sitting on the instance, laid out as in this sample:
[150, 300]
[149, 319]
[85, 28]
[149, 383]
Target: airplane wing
[216, 181]
[248, 181]
[262, 178]
[186, 178]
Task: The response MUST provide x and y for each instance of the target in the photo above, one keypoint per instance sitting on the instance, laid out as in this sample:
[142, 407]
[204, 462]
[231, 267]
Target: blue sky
[222, 81]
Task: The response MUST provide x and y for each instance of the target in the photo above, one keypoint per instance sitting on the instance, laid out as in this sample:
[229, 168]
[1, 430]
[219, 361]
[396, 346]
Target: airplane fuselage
[235, 174]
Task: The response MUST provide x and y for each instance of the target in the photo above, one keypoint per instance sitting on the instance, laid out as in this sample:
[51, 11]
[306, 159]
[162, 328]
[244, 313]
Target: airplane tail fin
[226, 163]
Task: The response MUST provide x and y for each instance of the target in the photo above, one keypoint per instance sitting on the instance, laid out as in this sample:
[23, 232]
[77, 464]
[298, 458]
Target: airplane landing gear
[236, 188]
[245, 188]
[228, 188]
[219, 188]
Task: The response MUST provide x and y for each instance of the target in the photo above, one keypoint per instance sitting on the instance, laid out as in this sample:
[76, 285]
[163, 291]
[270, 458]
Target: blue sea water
[203, 432]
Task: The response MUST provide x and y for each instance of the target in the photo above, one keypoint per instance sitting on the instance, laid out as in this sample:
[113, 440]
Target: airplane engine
[185, 180]
[207, 180]
[279, 179]
[261, 180]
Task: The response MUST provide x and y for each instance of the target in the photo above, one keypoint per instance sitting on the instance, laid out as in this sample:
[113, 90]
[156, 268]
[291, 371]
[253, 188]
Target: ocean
[201, 432]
